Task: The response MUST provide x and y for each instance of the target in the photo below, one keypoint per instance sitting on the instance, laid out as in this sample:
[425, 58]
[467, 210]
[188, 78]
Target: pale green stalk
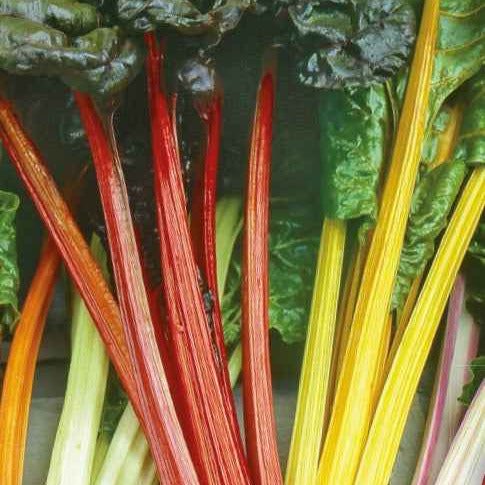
[228, 226]
[74, 448]
[235, 364]
[119, 448]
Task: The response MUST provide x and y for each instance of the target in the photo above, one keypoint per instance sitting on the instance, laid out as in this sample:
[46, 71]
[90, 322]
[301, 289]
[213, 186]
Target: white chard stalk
[75, 444]
[460, 345]
[465, 462]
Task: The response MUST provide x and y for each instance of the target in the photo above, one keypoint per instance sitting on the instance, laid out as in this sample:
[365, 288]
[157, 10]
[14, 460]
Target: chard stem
[353, 406]
[157, 410]
[203, 231]
[217, 453]
[311, 412]
[464, 462]
[19, 375]
[74, 447]
[69, 241]
[459, 347]
[395, 401]
[259, 419]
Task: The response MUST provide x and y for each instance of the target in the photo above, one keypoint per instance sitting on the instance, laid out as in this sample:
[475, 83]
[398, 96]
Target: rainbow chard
[203, 232]
[464, 463]
[259, 420]
[158, 415]
[460, 345]
[210, 430]
[19, 376]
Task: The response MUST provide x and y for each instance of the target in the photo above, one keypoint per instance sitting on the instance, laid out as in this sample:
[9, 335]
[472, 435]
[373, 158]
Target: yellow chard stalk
[401, 383]
[446, 146]
[347, 305]
[314, 381]
[354, 400]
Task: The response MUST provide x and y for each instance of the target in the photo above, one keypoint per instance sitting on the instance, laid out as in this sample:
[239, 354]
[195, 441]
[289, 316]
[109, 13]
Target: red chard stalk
[69, 241]
[259, 420]
[158, 416]
[217, 453]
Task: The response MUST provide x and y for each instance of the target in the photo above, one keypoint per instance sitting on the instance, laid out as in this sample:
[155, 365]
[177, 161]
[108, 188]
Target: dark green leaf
[432, 201]
[438, 129]
[120, 61]
[68, 16]
[9, 275]
[474, 268]
[294, 236]
[188, 17]
[471, 142]
[478, 374]
[460, 48]
[351, 43]
[101, 62]
[355, 133]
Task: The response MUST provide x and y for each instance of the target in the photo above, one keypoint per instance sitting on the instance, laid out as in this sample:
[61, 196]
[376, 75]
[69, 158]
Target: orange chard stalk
[19, 376]
[259, 419]
[212, 441]
[158, 416]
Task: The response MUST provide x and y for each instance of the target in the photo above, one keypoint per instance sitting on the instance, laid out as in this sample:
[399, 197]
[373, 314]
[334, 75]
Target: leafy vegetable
[46, 41]
[351, 416]
[9, 272]
[293, 245]
[460, 49]
[477, 367]
[69, 16]
[441, 137]
[474, 267]
[471, 142]
[395, 401]
[432, 201]
[183, 15]
[349, 43]
[354, 136]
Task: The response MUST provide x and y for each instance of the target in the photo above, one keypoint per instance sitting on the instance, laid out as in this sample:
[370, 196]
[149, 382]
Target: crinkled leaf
[471, 141]
[68, 16]
[460, 48]
[9, 274]
[188, 17]
[41, 42]
[351, 43]
[354, 135]
[474, 268]
[294, 236]
[432, 144]
[123, 58]
[432, 201]
[477, 367]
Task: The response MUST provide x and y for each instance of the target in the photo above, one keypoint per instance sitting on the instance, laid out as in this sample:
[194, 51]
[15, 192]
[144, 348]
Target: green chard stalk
[74, 448]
